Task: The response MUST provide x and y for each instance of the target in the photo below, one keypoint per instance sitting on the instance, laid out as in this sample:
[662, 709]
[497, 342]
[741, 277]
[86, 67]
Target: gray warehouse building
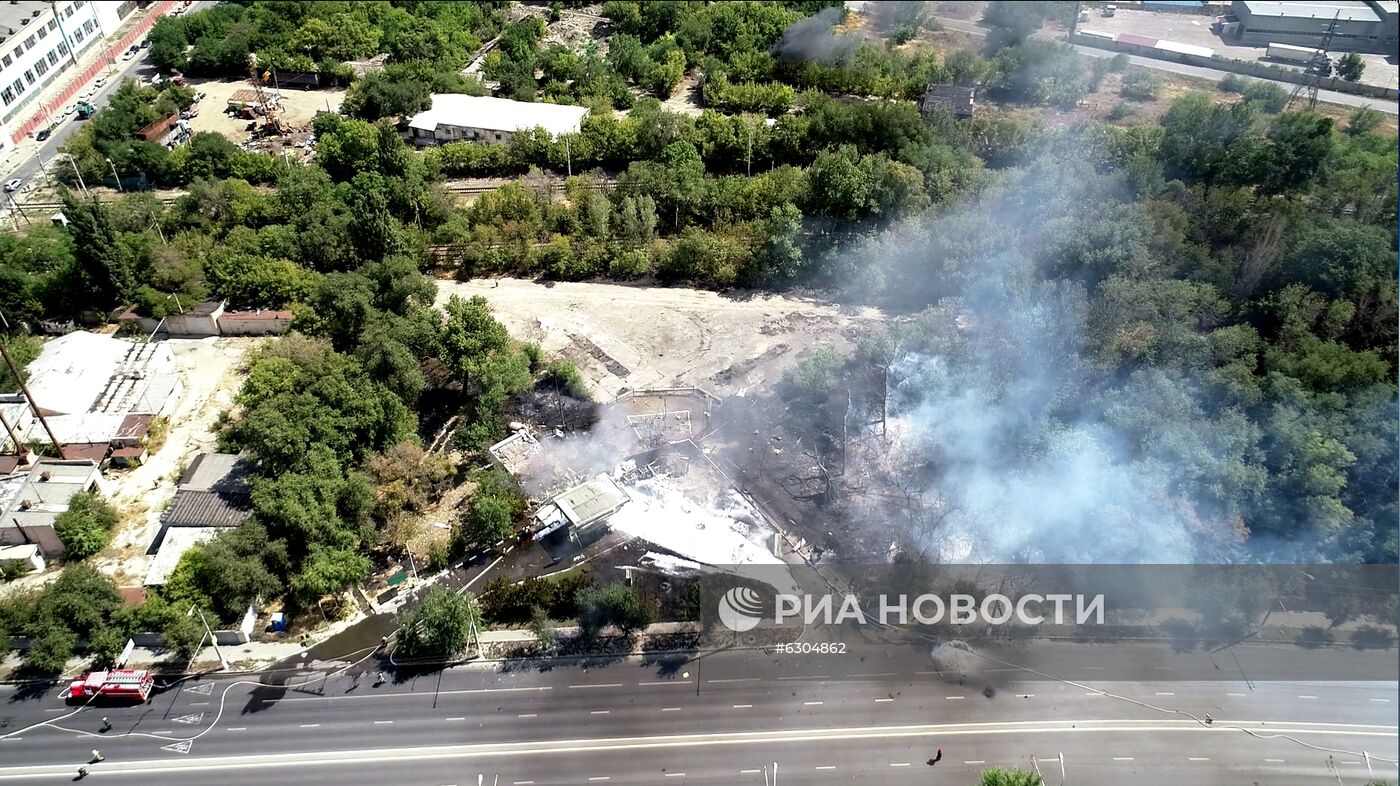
[1369, 26]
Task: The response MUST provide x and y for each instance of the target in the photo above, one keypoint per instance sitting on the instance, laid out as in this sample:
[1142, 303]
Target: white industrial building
[41, 40]
[459, 118]
[95, 392]
[1357, 26]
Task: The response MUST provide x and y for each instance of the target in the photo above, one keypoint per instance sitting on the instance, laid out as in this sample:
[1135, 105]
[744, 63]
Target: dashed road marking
[1275, 761]
[1164, 693]
[527, 715]
[456, 719]
[732, 679]
[1025, 695]
[598, 685]
[975, 761]
[874, 674]
[1236, 695]
[1122, 758]
[199, 704]
[884, 700]
[1307, 697]
[600, 712]
[310, 725]
[1381, 701]
[675, 775]
[236, 728]
[743, 706]
[811, 703]
[665, 682]
[899, 764]
[748, 772]
[954, 698]
[600, 778]
[1198, 758]
[670, 709]
[382, 723]
[825, 767]
[812, 677]
[524, 783]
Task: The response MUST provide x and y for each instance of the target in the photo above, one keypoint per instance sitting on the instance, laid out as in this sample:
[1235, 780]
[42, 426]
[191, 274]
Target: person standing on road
[106, 724]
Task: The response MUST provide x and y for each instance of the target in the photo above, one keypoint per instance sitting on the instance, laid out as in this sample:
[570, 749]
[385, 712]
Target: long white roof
[1342, 10]
[498, 114]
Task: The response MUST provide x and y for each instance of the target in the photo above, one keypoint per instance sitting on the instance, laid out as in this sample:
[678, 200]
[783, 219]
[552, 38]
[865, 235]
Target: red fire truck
[132, 684]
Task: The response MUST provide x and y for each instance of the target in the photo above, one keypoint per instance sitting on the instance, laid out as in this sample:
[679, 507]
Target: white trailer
[1289, 53]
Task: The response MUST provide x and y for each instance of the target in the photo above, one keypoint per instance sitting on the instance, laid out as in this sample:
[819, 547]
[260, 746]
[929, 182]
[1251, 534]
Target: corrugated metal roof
[498, 114]
[190, 508]
[1344, 11]
[591, 501]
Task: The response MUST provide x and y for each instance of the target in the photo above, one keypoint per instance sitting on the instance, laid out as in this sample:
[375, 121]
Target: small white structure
[174, 544]
[459, 118]
[27, 554]
[580, 507]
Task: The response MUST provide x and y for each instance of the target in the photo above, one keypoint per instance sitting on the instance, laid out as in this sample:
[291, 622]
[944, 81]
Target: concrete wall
[1248, 67]
[245, 323]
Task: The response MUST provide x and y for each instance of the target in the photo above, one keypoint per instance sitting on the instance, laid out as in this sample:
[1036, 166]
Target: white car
[100, 81]
[71, 109]
[130, 53]
[12, 185]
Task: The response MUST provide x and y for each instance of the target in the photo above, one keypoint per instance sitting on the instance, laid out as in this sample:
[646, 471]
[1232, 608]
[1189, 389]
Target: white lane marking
[812, 677]
[1307, 697]
[1198, 758]
[899, 764]
[1382, 701]
[456, 719]
[742, 706]
[1274, 761]
[1164, 693]
[414, 694]
[1094, 693]
[1025, 695]
[884, 700]
[1348, 761]
[236, 728]
[600, 778]
[65, 709]
[748, 772]
[600, 712]
[928, 672]
[1236, 695]
[665, 682]
[11, 739]
[527, 715]
[598, 685]
[675, 775]
[670, 709]
[825, 767]
[382, 723]
[975, 761]
[875, 674]
[310, 725]
[1122, 758]
[811, 703]
[524, 783]
[733, 679]
[199, 704]
[167, 731]
[953, 698]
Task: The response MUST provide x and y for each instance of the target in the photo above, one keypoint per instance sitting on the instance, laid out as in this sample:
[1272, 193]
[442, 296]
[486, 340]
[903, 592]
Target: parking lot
[1194, 29]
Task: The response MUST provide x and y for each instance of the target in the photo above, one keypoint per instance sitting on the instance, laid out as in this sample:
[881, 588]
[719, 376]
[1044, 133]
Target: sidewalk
[106, 54]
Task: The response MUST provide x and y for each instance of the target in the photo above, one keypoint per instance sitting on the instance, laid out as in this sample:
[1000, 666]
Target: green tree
[440, 627]
[1350, 66]
[23, 349]
[815, 376]
[182, 634]
[327, 571]
[86, 526]
[616, 605]
[50, 650]
[103, 266]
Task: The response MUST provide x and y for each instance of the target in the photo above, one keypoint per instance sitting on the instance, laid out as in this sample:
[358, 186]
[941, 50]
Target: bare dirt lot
[633, 338]
[298, 107]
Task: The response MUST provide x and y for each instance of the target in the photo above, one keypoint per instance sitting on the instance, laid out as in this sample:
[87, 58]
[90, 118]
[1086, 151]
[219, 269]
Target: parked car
[44, 134]
[99, 82]
[130, 53]
[70, 109]
[13, 185]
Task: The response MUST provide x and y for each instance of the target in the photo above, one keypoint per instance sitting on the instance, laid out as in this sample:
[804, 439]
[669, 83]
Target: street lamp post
[115, 176]
[213, 640]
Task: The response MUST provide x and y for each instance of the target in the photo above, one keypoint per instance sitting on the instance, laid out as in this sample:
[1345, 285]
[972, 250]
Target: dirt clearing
[298, 107]
[634, 338]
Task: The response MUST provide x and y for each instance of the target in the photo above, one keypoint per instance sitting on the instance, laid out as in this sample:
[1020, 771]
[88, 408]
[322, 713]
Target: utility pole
[213, 640]
[81, 184]
[19, 446]
[568, 157]
[23, 388]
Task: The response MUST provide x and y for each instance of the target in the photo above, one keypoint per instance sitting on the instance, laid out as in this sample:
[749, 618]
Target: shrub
[86, 526]
[617, 605]
[632, 263]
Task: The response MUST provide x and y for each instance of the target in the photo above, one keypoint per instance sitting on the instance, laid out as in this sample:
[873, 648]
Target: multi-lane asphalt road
[721, 719]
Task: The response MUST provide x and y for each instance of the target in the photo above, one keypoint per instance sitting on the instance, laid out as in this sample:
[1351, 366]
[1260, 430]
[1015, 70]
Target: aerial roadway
[729, 717]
